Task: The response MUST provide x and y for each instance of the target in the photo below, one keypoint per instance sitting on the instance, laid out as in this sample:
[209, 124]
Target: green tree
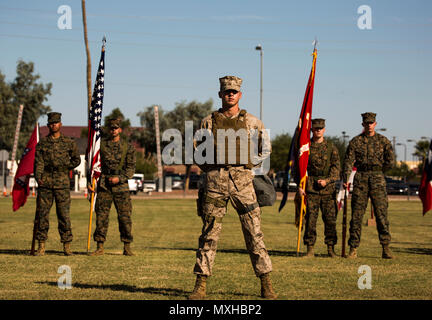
[184, 111]
[280, 150]
[193, 111]
[26, 90]
[421, 151]
[117, 114]
[338, 142]
[146, 164]
[401, 170]
[147, 137]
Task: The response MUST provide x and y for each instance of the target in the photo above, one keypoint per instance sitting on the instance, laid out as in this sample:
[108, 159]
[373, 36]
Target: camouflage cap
[318, 123]
[230, 83]
[114, 123]
[54, 117]
[368, 117]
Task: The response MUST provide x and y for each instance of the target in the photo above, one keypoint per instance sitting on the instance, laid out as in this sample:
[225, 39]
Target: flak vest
[242, 140]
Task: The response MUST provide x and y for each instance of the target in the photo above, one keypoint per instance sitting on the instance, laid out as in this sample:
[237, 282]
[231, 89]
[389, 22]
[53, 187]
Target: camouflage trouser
[44, 202]
[234, 184]
[328, 206]
[369, 184]
[123, 204]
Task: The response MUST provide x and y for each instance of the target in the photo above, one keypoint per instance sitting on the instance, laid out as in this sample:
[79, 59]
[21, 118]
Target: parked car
[149, 185]
[177, 182]
[413, 188]
[136, 183]
[394, 186]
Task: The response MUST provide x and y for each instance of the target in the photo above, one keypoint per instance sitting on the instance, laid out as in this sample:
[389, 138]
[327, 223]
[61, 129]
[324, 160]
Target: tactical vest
[219, 121]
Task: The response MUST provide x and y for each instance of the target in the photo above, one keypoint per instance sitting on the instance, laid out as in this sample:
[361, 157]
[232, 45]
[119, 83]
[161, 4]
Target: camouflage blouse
[374, 154]
[53, 160]
[323, 164]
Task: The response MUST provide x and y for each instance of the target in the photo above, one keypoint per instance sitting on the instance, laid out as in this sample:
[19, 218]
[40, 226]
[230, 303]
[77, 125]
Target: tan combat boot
[41, 249]
[199, 291]
[386, 253]
[99, 250]
[352, 253]
[330, 250]
[267, 291]
[310, 252]
[66, 249]
[127, 249]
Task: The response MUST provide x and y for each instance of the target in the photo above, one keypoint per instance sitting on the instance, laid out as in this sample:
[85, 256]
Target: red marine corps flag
[303, 143]
[425, 191]
[21, 188]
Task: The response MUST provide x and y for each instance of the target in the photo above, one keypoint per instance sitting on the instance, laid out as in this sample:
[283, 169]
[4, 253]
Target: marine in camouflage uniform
[372, 154]
[228, 180]
[55, 156]
[323, 171]
[118, 165]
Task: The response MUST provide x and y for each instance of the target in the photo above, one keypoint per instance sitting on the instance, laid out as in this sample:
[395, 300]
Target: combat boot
[41, 249]
[330, 250]
[66, 249]
[267, 291]
[127, 249]
[199, 291]
[386, 253]
[99, 251]
[310, 252]
[353, 253]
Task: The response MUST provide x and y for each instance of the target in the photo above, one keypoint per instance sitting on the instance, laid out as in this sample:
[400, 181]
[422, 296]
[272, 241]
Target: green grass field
[165, 239]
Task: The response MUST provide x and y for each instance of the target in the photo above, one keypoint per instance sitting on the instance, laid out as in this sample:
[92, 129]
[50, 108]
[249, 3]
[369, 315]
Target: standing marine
[55, 156]
[323, 172]
[372, 154]
[229, 178]
[118, 165]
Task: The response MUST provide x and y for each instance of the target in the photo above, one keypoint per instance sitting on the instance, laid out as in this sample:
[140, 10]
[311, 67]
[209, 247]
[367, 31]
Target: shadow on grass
[244, 251]
[423, 251]
[17, 252]
[125, 287]
[133, 289]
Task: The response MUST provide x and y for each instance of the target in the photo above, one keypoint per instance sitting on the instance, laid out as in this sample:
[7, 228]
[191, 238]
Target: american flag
[95, 124]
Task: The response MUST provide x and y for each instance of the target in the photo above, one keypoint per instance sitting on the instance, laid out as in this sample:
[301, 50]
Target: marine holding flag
[21, 188]
[299, 152]
[323, 171]
[55, 156]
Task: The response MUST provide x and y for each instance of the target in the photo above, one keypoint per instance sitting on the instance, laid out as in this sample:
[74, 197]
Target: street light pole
[402, 144]
[259, 48]
[412, 154]
[344, 136]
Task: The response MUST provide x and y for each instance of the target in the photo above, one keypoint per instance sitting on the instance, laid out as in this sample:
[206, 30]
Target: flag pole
[91, 215]
[302, 209]
[36, 219]
[344, 222]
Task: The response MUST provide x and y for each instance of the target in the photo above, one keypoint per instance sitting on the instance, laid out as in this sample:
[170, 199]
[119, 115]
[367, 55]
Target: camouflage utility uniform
[53, 160]
[230, 178]
[117, 159]
[323, 164]
[371, 155]
[233, 183]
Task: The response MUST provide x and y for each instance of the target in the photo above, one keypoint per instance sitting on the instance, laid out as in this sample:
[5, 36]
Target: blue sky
[163, 52]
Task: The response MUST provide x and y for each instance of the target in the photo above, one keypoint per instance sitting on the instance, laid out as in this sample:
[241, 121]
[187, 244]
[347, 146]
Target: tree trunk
[89, 91]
